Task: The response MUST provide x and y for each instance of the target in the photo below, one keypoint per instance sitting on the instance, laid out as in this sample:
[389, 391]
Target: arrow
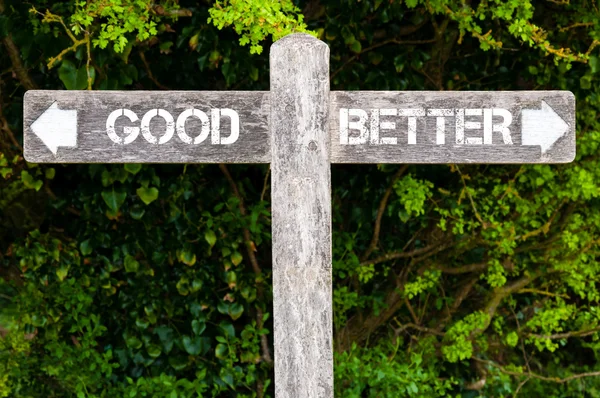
[542, 127]
[56, 128]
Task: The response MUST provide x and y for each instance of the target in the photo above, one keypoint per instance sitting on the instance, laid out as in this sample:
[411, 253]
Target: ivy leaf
[193, 346]
[187, 257]
[67, 73]
[133, 342]
[85, 247]
[236, 258]
[148, 195]
[178, 362]
[210, 237]
[221, 351]
[223, 307]
[153, 350]
[30, 182]
[75, 78]
[114, 200]
[166, 336]
[62, 272]
[131, 264]
[356, 47]
[236, 310]
[133, 168]
[198, 327]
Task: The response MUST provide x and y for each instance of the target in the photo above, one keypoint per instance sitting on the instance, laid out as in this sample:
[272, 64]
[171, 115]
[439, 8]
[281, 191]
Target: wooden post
[301, 217]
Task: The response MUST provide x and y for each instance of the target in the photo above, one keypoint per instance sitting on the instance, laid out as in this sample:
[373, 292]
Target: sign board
[364, 127]
[452, 127]
[146, 127]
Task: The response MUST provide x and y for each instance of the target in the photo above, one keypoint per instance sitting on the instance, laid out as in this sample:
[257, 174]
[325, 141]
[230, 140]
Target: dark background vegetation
[131, 280]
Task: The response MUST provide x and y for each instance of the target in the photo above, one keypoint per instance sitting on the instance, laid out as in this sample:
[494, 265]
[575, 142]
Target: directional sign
[452, 127]
[365, 127]
[146, 127]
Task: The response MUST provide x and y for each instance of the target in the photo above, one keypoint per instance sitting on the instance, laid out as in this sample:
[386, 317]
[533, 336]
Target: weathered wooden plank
[301, 218]
[146, 127]
[397, 127]
[452, 127]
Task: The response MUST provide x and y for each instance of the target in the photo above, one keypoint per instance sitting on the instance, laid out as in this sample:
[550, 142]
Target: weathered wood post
[301, 214]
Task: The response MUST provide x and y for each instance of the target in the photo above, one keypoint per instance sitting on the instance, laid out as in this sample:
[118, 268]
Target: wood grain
[95, 146]
[426, 149]
[301, 218]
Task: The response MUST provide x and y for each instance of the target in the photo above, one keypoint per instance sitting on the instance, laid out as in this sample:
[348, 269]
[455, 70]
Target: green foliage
[140, 280]
[117, 19]
[458, 339]
[385, 371]
[255, 20]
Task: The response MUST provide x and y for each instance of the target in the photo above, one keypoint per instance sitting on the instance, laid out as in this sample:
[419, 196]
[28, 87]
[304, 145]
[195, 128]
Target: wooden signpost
[300, 127]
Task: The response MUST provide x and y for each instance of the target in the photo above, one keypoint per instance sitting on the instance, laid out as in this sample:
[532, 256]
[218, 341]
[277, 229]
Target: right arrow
[56, 128]
[542, 127]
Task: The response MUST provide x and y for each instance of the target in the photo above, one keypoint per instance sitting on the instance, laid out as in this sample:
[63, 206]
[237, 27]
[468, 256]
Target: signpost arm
[301, 217]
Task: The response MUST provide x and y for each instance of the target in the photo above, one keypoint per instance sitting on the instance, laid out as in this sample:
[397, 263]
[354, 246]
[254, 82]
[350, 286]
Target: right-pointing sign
[452, 127]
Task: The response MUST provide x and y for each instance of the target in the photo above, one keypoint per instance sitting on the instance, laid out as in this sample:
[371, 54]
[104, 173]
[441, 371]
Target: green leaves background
[138, 280]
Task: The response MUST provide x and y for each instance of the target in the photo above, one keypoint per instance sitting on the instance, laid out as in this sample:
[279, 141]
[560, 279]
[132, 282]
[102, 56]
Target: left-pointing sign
[56, 128]
[146, 127]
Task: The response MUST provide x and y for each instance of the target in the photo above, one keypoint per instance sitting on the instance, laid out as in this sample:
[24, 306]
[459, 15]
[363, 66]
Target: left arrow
[56, 128]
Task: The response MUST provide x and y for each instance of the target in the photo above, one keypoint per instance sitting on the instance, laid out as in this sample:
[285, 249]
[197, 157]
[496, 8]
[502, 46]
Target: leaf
[30, 182]
[114, 200]
[153, 350]
[137, 212]
[74, 78]
[166, 336]
[133, 342]
[178, 362]
[594, 64]
[148, 195]
[186, 257]
[133, 168]
[221, 351]
[236, 310]
[131, 264]
[356, 46]
[198, 327]
[223, 307]
[192, 345]
[196, 285]
[183, 286]
[85, 247]
[62, 272]
[67, 73]
[236, 258]
[210, 237]
[231, 278]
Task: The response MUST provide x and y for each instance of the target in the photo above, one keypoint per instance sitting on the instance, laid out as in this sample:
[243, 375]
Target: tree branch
[397, 255]
[465, 269]
[538, 376]
[566, 335]
[375, 46]
[15, 59]
[381, 210]
[416, 327]
[149, 71]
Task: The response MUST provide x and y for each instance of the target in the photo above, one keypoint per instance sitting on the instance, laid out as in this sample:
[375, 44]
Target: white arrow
[56, 128]
[542, 127]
